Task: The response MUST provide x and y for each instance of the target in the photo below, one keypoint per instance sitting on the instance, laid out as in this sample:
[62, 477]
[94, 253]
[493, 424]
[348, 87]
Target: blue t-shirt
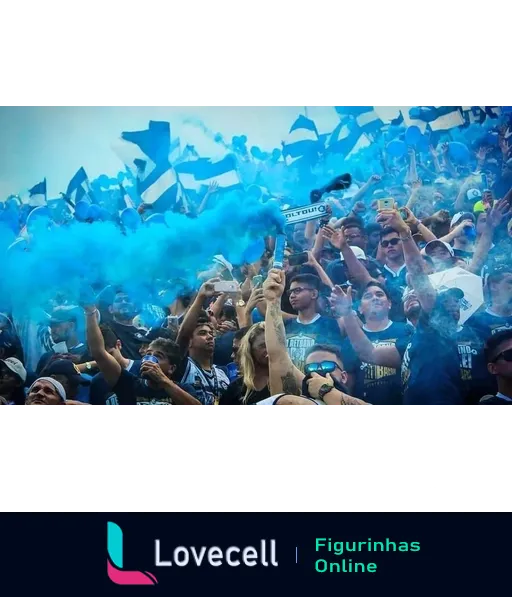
[373, 383]
[430, 367]
[475, 378]
[300, 337]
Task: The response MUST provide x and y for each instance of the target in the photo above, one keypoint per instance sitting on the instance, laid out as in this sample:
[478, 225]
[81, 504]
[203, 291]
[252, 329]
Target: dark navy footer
[269, 554]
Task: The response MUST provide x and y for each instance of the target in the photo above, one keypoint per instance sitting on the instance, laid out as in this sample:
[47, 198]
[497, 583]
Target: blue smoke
[66, 259]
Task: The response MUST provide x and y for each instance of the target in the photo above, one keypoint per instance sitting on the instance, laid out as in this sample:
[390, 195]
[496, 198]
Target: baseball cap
[358, 252]
[479, 207]
[16, 366]
[436, 243]
[153, 334]
[457, 293]
[64, 314]
[474, 195]
[460, 216]
[68, 368]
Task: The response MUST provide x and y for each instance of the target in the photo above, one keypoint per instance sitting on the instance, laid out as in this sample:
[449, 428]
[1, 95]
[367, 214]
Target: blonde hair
[246, 360]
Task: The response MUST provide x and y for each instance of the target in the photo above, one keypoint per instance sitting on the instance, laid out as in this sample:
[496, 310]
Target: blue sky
[53, 142]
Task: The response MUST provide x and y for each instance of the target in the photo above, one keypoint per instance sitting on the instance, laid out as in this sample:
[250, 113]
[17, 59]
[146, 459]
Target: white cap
[459, 216]
[473, 195]
[16, 366]
[358, 252]
[436, 243]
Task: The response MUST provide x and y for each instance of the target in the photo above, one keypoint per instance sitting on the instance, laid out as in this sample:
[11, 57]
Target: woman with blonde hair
[252, 385]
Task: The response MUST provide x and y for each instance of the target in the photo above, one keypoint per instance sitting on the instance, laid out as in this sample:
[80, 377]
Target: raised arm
[494, 218]
[386, 356]
[284, 376]
[190, 320]
[413, 222]
[319, 269]
[356, 269]
[413, 260]
[106, 363]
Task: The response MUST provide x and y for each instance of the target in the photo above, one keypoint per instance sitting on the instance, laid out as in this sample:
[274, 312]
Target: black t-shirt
[236, 391]
[128, 335]
[430, 367]
[99, 390]
[301, 337]
[131, 389]
[475, 378]
[487, 324]
[373, 383]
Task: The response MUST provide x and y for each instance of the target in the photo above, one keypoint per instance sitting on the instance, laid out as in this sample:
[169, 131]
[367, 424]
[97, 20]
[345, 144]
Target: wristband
[408, 237]
[324, 389]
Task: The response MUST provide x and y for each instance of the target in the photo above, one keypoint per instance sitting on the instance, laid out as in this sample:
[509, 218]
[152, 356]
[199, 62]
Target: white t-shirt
[273, 399]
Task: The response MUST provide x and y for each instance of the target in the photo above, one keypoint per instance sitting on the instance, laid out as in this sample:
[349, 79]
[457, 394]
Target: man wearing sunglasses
[325, 377]
[498, 353]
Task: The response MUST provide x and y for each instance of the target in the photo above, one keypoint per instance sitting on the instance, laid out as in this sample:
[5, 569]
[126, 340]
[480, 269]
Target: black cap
[154, 334]
[65, 367]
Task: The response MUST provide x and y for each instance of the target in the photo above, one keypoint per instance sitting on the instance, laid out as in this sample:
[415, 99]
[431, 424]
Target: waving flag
[78, 188]
[302, 140]
[147, 153]
[201, 171]
[438, 118]
[37, 195]
[347, 138]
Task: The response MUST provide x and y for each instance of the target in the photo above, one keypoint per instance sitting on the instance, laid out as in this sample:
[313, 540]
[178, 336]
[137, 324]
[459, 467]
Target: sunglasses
[392, 242]
[505, 355]
[323, 367]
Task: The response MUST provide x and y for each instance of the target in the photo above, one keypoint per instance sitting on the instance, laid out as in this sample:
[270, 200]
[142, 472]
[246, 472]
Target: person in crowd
[153, 385]
[497, 316]
[463, 234]
[123, 312]
[373, 234]
[355, 233]
[324, 378]
[252, 386]
[46, 391]
[196, 340]
[12, 377]
[375, 384]
[432, 347]
[309, 327]
[68, 374]
[442, 255]
[498, 356]
[64, 332]
[99, 391]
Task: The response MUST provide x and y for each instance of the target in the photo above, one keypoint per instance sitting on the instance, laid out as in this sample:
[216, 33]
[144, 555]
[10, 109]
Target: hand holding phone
[298, 258]
[226, 286]
[388, 203]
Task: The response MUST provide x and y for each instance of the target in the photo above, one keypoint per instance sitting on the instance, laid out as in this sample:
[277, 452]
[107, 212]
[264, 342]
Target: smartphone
[403, 213]
[388, 203]
[226, 286]
[257, 281]
[298, 258]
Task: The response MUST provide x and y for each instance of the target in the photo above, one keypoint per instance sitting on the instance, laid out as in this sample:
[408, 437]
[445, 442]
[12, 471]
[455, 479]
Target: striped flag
[201, 171]
[438, 118]
[347, 139]
[146, 153]
[78, 188]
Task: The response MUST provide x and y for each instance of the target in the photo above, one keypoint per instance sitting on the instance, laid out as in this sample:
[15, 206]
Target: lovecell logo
[181, 556]
[115, 570]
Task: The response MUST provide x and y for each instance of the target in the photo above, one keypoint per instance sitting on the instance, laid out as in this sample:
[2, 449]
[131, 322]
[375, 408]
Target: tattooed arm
[283, 375]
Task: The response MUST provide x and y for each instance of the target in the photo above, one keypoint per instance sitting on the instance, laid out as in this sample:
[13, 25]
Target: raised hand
[411, 219]
[207, 290]
[254, 299]
[335, 236]
[340, 301]
[391, 218]
[273, 287]
[497, 213]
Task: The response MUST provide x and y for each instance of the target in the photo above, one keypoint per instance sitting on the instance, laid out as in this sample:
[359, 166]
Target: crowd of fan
[354, 316]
